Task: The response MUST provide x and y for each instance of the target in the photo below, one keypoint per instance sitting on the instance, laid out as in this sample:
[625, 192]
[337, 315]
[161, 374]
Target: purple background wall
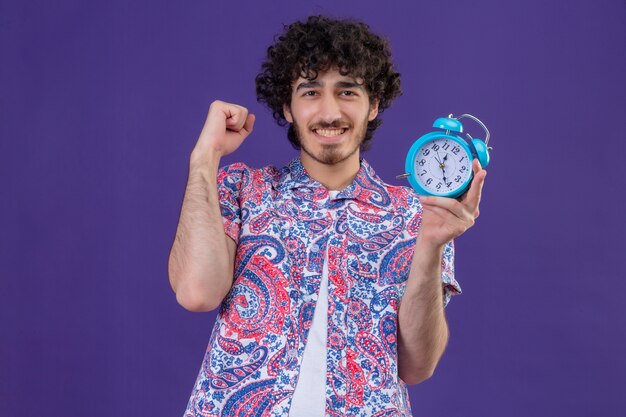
[101, 104]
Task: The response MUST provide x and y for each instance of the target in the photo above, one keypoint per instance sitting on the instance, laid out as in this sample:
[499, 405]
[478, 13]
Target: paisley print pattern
[229, 377]
[284, 222]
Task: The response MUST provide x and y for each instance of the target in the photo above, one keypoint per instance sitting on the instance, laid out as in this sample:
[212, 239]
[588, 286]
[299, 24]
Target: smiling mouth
[330, 133]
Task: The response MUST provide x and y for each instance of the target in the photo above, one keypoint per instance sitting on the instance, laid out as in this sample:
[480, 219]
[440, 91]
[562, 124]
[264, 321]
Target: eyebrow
[338, 84]
[308, 84]
[349, 84]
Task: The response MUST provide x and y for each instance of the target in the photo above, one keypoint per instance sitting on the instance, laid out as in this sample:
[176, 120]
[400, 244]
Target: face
[330, 116]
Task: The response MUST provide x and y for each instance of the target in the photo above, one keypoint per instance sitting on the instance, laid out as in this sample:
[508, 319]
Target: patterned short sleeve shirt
[284, 222]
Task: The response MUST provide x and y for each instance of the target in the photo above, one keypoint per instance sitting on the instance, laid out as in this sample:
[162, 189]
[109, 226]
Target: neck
[334, 177]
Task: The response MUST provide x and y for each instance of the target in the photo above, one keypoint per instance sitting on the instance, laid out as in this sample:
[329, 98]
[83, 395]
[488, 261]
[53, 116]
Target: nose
[330, 109]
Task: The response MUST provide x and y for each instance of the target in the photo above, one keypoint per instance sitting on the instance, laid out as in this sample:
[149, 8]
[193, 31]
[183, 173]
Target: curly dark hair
[308, 48]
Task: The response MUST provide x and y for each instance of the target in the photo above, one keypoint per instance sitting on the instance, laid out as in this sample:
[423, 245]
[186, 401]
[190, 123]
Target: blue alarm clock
[440, 162]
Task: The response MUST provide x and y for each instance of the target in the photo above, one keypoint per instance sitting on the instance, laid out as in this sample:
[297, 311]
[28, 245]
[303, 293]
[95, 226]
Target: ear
[373, 111]
[287, 113]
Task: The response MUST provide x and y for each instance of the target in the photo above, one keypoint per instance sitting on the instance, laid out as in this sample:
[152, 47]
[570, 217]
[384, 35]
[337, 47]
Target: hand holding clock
[444, 218]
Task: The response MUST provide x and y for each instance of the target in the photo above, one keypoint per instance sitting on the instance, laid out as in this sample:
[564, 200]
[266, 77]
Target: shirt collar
[366, 187]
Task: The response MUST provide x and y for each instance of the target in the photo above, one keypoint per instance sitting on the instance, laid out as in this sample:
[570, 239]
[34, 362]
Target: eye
[348, 93]
[309, 93]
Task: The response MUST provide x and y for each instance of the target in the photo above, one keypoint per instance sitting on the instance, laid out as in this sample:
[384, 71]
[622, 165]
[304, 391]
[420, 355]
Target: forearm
[422, 327]
[200, 267]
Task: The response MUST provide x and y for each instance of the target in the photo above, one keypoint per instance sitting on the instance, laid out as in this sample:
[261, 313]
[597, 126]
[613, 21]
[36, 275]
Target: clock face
[442, 166]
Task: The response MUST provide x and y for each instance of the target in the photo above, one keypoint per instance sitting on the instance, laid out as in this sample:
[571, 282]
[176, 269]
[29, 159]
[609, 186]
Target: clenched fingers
[236, 117]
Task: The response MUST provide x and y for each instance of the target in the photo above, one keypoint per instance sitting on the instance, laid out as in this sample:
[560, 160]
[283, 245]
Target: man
[332, 284]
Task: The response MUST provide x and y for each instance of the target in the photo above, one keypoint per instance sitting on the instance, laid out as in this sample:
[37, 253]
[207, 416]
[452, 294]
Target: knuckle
[214, 106]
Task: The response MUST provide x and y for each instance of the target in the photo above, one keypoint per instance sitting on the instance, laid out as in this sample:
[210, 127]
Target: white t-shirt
[309, 398]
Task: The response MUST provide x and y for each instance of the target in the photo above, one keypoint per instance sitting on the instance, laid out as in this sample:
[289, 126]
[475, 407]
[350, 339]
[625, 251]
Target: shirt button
[315, 247]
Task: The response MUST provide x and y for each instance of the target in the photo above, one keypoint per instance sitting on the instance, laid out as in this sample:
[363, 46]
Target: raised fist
[226, 127]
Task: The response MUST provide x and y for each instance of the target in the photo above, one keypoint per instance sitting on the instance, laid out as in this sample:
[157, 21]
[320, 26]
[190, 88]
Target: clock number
[423, 172]
[426, 152]
[445, 146]
[422, 162]
[428, 181]
[435, 147]
[456, 150]
[438, 186]
[461, 160]
[448, 184]
[463, 168]
[457, 179]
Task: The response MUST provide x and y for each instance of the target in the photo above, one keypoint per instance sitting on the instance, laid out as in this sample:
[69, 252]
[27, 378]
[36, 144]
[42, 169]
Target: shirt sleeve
[450, 285]
[230, 182]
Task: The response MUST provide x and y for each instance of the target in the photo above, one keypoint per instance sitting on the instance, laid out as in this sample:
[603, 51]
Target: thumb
[246, 129]
[249, 124]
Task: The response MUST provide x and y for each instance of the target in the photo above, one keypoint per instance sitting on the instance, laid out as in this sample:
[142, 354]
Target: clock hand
[444, 177]
[442, 166]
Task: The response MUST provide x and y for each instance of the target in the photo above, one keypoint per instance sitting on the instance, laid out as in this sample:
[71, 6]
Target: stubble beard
[330, 153]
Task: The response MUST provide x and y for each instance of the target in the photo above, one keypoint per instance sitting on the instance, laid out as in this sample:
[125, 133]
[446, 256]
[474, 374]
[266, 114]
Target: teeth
[329, 133]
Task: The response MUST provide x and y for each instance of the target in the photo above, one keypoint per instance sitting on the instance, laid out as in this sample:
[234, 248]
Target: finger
[442, 212]
[448, 204]
[221, 112]
[476, 167]
[236, 117]
[249, 124]
[472, 200]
